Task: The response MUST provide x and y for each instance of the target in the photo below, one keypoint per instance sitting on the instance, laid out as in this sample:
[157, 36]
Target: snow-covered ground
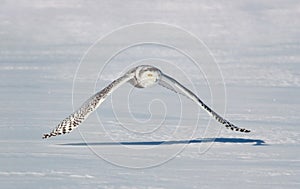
[256, 45]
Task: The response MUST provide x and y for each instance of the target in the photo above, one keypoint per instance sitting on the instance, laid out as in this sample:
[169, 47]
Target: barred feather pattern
[170, 83]
[221, 120]
[76, 118]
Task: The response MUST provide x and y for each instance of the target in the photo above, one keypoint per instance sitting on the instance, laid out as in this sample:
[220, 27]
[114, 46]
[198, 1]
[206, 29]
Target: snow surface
[255, 43]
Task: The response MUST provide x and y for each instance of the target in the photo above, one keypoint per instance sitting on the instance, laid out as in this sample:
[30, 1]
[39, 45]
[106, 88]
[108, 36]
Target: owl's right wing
[76, 118]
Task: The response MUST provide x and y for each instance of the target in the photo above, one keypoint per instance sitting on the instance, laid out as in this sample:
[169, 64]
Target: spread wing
[172, 84]
[76, 118]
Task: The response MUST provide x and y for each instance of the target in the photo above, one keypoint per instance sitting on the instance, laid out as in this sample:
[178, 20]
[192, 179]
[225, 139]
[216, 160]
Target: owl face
[146, 76]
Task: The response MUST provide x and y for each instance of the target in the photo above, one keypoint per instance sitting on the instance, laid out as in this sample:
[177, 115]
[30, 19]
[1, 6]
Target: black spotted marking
[75, 119]
[221, 120]
[170, 83]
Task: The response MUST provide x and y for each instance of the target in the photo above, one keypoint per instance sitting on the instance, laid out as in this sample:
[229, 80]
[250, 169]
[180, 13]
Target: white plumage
[141, 76]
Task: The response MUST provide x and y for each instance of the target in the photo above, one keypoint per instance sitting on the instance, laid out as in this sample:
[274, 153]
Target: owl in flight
[141, 77]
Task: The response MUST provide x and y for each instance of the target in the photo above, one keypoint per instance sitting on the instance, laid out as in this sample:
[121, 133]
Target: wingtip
[46, 136]
[245, 130]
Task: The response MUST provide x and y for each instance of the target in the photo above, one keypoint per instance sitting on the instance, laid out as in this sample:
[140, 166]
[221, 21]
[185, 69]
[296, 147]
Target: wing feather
[172, 88]
[76, 118]
[175, 86]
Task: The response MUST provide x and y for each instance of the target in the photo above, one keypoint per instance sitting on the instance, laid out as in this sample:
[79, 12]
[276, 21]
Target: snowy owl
[141, 77]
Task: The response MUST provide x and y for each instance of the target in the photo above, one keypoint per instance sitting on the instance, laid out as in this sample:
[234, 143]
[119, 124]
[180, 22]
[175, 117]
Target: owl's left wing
[172, 84]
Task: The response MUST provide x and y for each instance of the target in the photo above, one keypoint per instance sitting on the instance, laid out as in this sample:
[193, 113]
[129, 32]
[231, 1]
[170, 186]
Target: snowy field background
[255, 43]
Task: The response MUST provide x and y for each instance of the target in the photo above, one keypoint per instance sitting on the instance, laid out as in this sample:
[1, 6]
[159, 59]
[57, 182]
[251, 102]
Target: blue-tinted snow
[256, 45]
